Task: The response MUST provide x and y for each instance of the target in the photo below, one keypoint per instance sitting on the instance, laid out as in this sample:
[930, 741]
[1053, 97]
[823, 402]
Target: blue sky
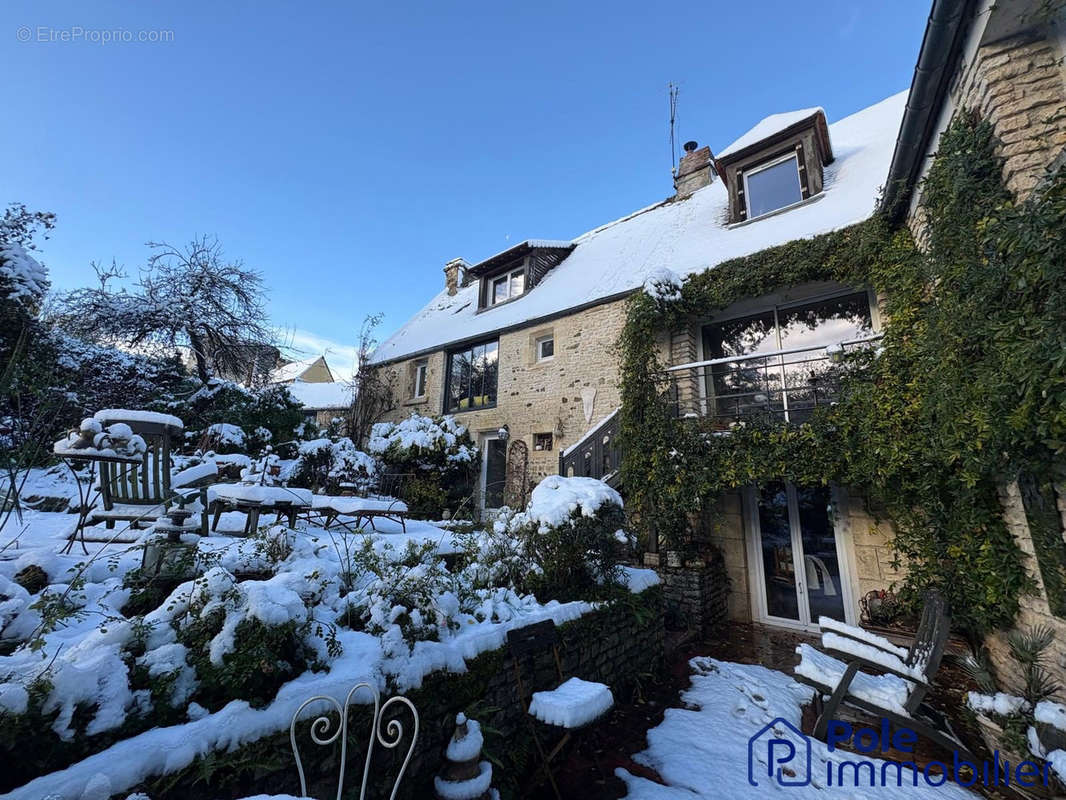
[348, 151]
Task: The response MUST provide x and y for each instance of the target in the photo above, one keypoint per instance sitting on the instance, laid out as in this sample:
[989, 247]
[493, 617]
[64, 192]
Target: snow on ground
[701, 751]
[86, 651]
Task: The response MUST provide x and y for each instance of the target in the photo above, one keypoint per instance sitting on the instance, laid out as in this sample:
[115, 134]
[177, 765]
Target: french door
[798, 563]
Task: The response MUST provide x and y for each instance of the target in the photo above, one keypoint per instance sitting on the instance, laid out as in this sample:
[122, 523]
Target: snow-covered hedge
[333, 465]
[267, 415]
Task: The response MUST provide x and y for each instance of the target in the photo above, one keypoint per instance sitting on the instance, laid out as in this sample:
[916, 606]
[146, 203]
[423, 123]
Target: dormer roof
[516, 252]
[778, 127]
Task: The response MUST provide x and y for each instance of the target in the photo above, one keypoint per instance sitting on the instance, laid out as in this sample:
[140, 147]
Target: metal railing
[783, 385]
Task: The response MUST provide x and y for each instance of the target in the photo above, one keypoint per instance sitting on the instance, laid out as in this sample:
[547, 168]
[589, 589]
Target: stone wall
[536, 397]
[695, 595]
[1034, 609]
[620, 646]
[1018, 84]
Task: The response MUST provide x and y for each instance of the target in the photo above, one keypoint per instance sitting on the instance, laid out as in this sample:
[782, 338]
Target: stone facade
[535, 397]
[1034, 609]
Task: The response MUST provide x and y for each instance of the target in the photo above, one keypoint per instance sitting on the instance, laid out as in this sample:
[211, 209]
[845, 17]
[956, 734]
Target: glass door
[799, 572]
[493, 470]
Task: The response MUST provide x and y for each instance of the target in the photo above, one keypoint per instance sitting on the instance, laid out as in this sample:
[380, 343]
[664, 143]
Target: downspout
[942, 43]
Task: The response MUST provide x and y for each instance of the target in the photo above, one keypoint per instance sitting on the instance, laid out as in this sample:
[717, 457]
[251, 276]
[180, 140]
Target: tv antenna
[674, 91]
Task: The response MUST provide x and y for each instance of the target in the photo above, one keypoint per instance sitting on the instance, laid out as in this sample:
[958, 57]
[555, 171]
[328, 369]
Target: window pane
[824, 589]
[420, 380]
[773, 187]
[491, 370]
[810, 378]
[743, 387]
[518, 283]
[499, 289]
[458, 380]
[547, 348]
[779, 568]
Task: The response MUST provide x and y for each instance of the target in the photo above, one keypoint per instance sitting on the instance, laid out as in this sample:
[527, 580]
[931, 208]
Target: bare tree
[192, 296]
[372, 386]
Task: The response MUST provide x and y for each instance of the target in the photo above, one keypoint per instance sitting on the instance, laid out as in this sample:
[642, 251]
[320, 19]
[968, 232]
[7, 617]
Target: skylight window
[772, 186]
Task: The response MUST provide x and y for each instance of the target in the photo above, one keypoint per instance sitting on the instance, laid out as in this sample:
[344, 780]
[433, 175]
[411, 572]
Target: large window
[772, 186]
[791, 384]
[472, 377]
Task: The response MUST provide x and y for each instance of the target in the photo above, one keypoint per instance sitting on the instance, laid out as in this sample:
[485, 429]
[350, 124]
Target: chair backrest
[930, 641]
[146, 483]
[527, 643]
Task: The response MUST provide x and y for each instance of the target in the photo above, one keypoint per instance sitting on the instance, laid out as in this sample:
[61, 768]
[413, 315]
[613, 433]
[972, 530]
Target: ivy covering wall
[967, 391]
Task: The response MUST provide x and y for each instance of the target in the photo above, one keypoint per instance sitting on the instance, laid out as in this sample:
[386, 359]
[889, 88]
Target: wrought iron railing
[596, 454]
[783, 385]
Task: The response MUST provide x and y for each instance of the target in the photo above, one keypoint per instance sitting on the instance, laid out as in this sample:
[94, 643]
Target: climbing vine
[966, 393]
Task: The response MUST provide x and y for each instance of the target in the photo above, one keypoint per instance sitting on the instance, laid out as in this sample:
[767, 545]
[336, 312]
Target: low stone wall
[695, 594]
[619, 646]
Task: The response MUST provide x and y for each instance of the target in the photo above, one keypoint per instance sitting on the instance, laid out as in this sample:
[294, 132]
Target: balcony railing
[785, 385]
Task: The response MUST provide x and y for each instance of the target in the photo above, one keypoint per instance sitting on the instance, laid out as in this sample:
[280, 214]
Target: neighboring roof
[517, 251]
[685, 236]
[294, 370]
[318, 396]
[775, 123]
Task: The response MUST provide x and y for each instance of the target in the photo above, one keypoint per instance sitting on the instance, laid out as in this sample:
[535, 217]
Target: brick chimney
[694, 172]
[455, 275]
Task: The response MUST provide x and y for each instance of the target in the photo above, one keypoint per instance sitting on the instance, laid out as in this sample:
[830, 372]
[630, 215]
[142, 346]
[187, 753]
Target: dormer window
[773, 185]
[777, 164]
[507, 286]
[516, 271]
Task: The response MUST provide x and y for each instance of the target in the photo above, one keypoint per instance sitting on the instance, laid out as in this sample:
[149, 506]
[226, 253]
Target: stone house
[521, 345]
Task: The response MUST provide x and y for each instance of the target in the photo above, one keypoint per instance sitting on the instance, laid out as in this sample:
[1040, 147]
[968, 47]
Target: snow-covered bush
[568, 531]
[438, 454]
[322, 464]
[265, 416]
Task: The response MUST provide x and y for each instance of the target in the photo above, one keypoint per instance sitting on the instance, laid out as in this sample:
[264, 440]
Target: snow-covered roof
[685, 236]
[316, 396]
[293, 370]
[775, 123]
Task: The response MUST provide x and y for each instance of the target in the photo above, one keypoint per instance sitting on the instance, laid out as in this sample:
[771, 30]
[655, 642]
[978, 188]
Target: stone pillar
[695, 592]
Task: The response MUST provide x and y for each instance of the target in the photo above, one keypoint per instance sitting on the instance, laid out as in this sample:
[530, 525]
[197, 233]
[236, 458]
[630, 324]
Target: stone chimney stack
[694, 172]
[455, 275]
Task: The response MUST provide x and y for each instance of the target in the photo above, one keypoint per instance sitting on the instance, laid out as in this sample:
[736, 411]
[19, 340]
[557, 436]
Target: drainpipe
[942, 43]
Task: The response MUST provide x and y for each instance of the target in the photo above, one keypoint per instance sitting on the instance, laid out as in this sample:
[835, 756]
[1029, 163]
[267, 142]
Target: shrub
[569, 533]
[266, 415]
[437, 451]
[325, 464]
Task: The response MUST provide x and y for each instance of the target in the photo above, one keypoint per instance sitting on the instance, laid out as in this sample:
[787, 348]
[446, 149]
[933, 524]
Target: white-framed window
[507, 286]
[418, 385]
[773, 185]
[546, 347]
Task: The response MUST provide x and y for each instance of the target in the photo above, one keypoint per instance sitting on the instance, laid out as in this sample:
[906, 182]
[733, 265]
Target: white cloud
[298, 343]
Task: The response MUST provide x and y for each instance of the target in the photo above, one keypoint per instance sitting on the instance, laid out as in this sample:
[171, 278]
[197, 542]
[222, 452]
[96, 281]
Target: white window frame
[506, 277]
[764, 166]
[540, 340]
[420, 376]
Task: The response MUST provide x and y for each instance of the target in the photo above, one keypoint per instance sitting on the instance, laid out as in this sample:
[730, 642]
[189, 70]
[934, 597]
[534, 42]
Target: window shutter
[805, 188]
[742, 201]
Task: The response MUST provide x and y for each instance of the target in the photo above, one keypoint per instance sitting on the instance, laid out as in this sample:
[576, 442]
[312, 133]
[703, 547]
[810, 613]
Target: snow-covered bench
[861, 669]
[329, 509]
[573, 704]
